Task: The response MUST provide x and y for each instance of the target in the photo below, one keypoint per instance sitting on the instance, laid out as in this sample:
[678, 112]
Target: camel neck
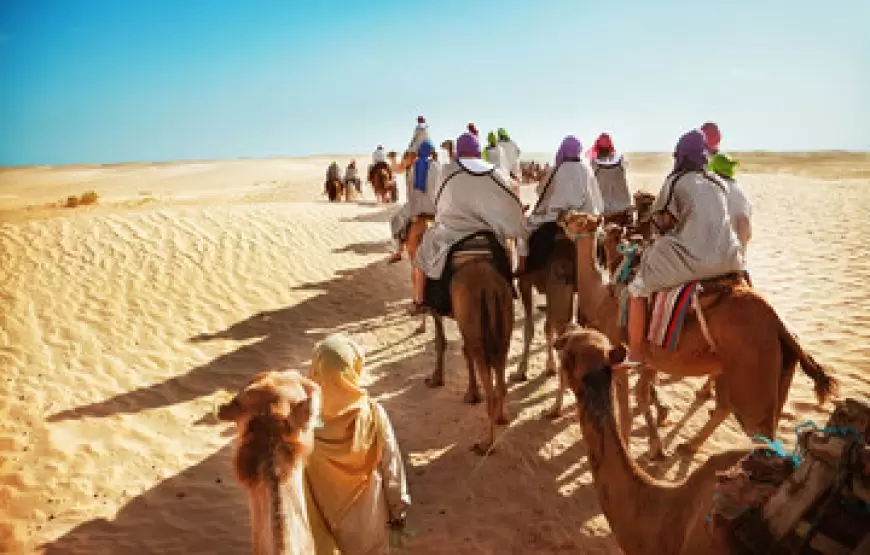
[630, 499]
[279, 520]
[591, 291]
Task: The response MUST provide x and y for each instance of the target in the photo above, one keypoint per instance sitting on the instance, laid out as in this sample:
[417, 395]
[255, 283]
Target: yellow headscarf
[347, 449]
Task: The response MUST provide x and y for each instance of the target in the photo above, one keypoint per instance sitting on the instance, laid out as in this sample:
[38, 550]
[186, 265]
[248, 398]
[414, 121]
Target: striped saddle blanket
[668, 312]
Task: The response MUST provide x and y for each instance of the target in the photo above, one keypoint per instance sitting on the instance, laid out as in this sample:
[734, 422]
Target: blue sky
[92, 81]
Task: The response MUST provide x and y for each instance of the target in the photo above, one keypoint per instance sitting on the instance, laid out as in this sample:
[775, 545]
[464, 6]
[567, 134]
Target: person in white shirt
[739, 207]
[569, 185]
[512, 153]
[494, 153]
[379, 155]
[421, 134]
[609, 168]
[473, 196]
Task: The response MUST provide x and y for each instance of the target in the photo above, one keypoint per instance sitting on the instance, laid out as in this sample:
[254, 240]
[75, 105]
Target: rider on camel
[351, 176]
[423, 177]
[697, 240]
[472, 196]
[570, 185]
[609, 169]
[739, 207]
[379, 160]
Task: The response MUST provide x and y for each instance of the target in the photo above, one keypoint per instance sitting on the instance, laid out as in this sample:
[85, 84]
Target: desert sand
[126, 322]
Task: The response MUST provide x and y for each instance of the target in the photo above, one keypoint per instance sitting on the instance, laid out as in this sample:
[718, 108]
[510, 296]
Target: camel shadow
[368, 247]
[383, 215]
[284, 338]
[540, 508]
[204, 496]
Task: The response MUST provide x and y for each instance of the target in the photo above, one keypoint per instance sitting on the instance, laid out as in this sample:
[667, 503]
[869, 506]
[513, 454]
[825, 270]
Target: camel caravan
[634, 284]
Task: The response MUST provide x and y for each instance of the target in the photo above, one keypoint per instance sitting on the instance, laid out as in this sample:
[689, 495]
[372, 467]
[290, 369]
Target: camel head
[391, 156]
[275, 415]
[448, 146]
[643, 202]
[587, 358]
[576, 223]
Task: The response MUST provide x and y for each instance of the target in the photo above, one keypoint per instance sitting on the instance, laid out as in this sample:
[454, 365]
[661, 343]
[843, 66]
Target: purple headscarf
[569, 149]
[691, 152]
[467, 145]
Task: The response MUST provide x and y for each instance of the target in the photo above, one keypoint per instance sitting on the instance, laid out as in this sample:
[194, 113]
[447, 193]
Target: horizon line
[352, 154]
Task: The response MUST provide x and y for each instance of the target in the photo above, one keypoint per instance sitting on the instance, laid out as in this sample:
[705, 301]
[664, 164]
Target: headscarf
[712, 136]
[603, 142]
[691, 152]
[492, 140]
[503, 134]
[723, 164]
[348, 447]
[473, 129]
[467, 145]
[571, 148]
[421, 166]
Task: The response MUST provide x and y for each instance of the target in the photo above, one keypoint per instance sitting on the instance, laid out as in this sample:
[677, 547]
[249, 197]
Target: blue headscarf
[421, 166]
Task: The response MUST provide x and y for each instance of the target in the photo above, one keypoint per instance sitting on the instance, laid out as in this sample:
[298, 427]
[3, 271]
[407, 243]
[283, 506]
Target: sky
[103, 81]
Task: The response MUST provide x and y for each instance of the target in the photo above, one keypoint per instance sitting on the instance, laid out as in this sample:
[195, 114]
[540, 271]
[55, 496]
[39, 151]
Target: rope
[628, 252]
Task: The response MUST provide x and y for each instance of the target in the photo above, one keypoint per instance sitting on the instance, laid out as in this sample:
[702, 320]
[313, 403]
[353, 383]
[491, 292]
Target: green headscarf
[492, 142]
[723, 164]
[503, 134]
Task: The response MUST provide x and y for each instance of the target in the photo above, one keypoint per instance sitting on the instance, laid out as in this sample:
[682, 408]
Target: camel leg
[717, 416]
[437, 377]
[550, 336]
[521, 374]
[501, 390]
[644, 394]
[484, 447]
[472, 396]
[556, 411]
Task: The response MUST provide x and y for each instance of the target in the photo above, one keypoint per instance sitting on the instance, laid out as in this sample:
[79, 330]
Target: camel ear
[617, 355]
[302, 414]
[229, 412]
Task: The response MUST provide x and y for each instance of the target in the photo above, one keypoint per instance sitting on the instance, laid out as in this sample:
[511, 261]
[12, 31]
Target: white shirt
[511, 161]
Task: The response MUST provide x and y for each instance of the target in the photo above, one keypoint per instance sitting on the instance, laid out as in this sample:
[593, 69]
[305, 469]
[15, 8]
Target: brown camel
[555, 280]
[335, 190]
[646, 515]
[483, 308]
[275, 415]
[745, 347]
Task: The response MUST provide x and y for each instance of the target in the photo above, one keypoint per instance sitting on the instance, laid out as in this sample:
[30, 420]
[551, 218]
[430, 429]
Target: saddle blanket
[668, 311]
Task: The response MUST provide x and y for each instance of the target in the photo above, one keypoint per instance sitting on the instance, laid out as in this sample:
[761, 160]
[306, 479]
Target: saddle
[482, 245]
[815, 500]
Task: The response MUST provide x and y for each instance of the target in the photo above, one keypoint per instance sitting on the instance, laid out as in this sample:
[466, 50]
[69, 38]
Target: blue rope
[627, 252]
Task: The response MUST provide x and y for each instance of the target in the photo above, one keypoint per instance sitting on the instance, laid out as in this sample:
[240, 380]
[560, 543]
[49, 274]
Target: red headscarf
[421, 119]
[473, 129]
[603, 141]
[712, 136]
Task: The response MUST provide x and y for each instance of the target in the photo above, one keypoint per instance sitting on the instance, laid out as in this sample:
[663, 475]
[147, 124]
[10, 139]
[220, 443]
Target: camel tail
[825, 384]
[491, 330]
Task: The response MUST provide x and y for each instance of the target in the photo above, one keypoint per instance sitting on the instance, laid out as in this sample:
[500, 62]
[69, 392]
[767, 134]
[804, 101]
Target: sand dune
[123, 324]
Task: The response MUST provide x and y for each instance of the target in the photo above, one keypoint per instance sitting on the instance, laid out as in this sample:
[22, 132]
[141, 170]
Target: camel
[275, 415]
[741, 343]
[555, 279]
[483, 307]
[642, 512]
[335, 190]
